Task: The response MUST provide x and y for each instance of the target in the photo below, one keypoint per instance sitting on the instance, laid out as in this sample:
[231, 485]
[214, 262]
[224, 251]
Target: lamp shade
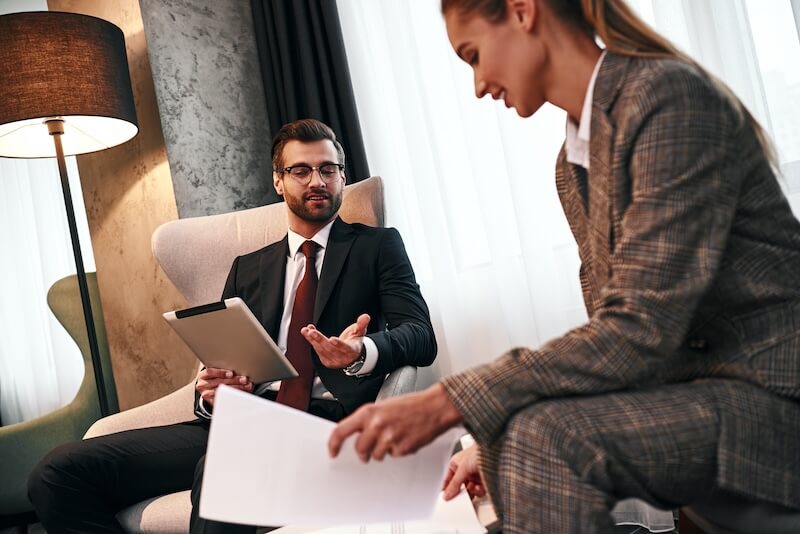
[65, 66]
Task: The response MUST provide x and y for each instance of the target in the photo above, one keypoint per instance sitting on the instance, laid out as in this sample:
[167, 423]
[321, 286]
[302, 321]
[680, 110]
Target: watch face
[356, 366]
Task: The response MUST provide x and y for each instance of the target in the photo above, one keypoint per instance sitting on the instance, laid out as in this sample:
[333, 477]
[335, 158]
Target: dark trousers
[79, 487]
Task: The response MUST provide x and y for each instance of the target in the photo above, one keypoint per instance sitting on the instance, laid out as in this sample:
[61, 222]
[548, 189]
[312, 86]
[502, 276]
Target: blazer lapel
[272, 276]
[600, 181]
[571, 187]
[339, 243]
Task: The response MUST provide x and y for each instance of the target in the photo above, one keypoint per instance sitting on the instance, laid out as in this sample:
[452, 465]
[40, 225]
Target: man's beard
[297, 205]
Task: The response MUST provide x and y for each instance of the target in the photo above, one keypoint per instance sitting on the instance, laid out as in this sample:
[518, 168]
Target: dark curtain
[305, 74]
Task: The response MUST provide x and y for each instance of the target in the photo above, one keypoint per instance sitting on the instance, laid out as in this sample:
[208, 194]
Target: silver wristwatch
[356, 366]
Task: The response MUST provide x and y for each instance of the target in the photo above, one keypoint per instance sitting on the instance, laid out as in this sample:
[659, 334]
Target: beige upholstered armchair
[196, 254]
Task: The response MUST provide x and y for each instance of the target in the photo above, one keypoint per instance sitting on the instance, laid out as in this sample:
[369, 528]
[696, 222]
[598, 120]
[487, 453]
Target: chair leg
[686, 526]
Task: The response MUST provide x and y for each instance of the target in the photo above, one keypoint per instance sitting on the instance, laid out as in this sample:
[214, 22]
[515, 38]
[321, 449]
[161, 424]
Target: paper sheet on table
[267, 464]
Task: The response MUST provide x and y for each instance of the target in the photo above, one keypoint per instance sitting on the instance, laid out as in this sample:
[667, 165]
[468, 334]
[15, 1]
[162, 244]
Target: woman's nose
[480, 87]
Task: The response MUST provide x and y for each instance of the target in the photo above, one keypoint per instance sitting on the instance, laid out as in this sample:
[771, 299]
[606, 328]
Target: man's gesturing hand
[397, 426]
[210, 378]
[338, 352]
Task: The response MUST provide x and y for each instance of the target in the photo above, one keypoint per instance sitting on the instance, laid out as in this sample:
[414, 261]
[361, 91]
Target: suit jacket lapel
[273, 276]
[571, 187]
[339, 243]
[600, 181]
[569, 178]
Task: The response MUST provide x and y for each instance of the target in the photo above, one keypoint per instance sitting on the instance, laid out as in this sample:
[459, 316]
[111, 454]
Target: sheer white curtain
[753, 46]
[40, 366]
[471, 186]
[468, 184]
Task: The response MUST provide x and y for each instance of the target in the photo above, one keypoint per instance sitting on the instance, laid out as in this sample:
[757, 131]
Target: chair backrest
[64, 300]
[196, 253]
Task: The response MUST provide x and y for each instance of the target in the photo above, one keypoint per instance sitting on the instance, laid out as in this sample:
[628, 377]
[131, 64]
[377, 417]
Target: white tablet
[227, 335]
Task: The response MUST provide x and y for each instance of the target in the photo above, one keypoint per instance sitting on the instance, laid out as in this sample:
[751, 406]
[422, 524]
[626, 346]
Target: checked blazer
[690, 269]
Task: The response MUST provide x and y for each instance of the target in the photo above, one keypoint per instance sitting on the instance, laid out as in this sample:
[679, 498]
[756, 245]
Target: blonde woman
[683, 386]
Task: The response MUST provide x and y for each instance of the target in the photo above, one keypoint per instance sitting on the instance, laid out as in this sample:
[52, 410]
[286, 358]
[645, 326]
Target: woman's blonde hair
[622, 32]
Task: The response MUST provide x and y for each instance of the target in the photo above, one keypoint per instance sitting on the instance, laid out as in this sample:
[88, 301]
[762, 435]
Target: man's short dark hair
[306, 131]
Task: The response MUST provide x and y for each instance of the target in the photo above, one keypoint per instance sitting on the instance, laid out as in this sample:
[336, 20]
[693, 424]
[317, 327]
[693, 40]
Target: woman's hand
[464, 469]
[397, 426]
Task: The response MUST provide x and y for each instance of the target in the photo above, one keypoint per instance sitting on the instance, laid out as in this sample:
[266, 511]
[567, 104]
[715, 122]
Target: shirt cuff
[371, 359]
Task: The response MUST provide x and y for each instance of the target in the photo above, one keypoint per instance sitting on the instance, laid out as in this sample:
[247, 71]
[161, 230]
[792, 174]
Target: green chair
[22, 445]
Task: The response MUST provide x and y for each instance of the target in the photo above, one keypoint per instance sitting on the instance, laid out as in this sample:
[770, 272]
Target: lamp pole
[55, 127]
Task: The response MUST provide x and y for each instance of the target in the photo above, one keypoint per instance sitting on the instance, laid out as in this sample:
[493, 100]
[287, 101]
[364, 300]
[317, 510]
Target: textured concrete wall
[210, 96]
[128, 194]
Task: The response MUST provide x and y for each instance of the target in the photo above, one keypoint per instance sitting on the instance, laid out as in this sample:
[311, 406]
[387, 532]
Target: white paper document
[268, 465]
[449, 517]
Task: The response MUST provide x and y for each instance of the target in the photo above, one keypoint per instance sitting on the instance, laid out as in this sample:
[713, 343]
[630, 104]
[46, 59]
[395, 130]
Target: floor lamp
[65, 90]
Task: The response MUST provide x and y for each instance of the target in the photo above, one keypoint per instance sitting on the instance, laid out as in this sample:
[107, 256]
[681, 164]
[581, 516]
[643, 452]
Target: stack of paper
[267, 464]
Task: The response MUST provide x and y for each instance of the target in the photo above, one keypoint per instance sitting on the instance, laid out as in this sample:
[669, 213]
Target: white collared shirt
[577, 142]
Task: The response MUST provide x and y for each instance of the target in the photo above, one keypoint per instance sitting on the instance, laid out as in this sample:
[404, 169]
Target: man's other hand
[210, 378]
[338, 352]
[463, 469]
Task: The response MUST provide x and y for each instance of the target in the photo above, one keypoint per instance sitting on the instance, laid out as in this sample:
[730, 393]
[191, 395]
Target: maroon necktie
[296, 392]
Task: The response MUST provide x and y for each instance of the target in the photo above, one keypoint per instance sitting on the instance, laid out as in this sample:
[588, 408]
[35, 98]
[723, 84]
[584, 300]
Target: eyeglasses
[328, 172]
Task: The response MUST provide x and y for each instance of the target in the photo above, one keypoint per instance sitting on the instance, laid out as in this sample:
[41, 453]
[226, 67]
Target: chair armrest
[399, 382]
[176, 407]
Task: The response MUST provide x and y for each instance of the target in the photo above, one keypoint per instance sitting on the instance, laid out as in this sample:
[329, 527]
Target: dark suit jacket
[366, 270]
[690, 269]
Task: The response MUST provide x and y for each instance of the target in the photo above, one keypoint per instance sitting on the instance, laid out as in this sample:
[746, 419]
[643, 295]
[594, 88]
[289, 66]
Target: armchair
[196, 254]
[22, 445]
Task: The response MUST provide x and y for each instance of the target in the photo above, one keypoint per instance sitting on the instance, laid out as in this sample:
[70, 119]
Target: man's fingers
[216, 382]
[362, 323]
[214, 372]
[208, 396]
[313, 335]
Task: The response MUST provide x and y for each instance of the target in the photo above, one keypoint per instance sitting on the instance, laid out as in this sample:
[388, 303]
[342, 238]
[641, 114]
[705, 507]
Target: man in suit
[340, 298]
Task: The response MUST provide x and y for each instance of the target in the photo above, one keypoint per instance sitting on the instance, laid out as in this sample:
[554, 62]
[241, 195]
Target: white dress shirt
[577, 143]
